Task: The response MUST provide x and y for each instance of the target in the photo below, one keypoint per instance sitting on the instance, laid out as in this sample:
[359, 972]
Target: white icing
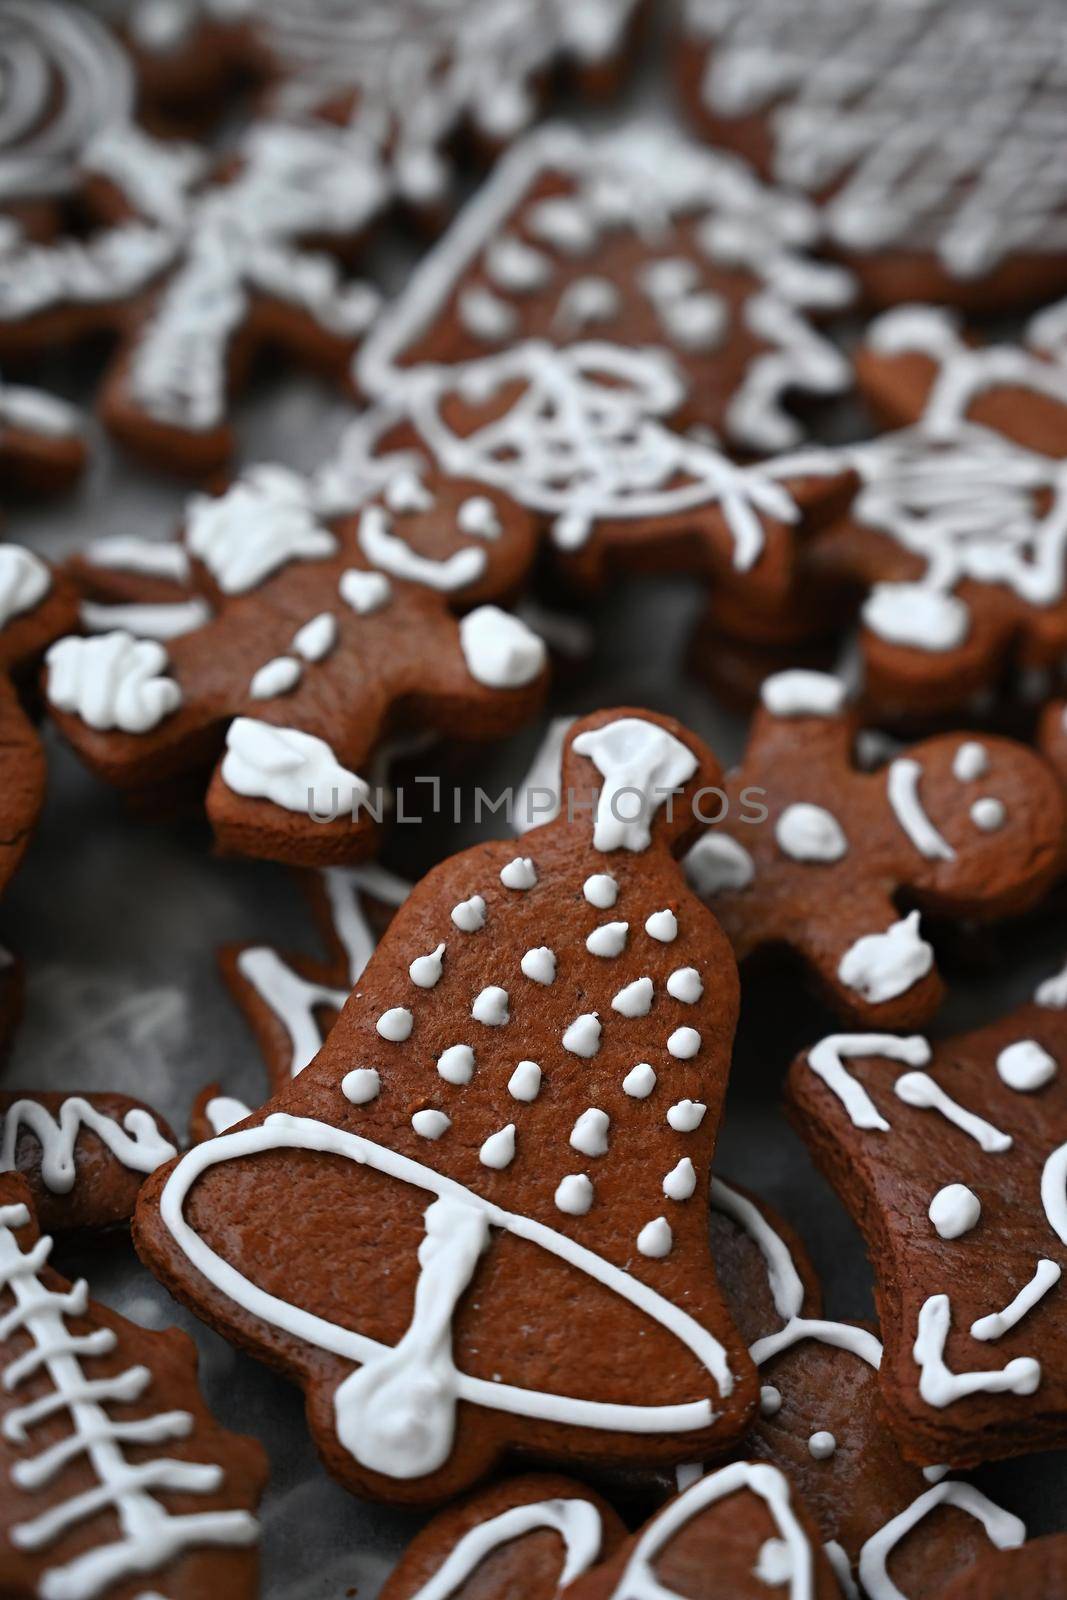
[24, 582]
[954, 1210]
[576, 1521]
[525, 1082]
[590, 1133]
[405, 493]
[635, 1000]
[126, 553]
[770, 1400]
[395, 1024]
[680, 1183]
[686, 1116]
[486, 315]
[431, 1124]
[640, 1081]
[1005, 1531]
[881, 966]
[491, 1007]
[456, 1064]
[136, 1141]
[971, 761]
[1052, 992]
[939, 1386]
[224, 1112]
[385, 549]
[574, 1195]
[469, 915]
[717, 862]
[799, 693]
[1046, 1275]
[920, 1090]
[601, 890]
[988, 814]
[608, 940]
[265, 521]
[361, 1085]
[913, 615]
[292, 769]
[641, 764]
[902, 787]
[425, 971]
[499, 649]
[519, 874]
[275, 677]
[112, 681]
[822, 1445]
[539, 965]
[656, 1239]
[1054, 1191]
[827, 1060]
[663, 926]
[684, 1044]
[498, 1151]
[582, 1037]
[685, 984]
[365, 592]
[810, 833]
[1025, 1066]
[145, 621]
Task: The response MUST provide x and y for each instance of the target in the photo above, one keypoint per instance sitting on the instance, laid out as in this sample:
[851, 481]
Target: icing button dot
[686, 985]
[425, 971]
[635, 1000]
[539, 965]
[684, 1043]
[430, 1124]
[681, 1181]
[686, 1115]
[822, 1445]
[590, 1133]
[582, 1038]
[988, 814]
[491, 1007]
[601, 890]
[469, 915]
[608, 940]
[519, 874]
[574, 1195]
[456, 1064]
[655, 1239]
[361, 1086]
[525, 1081]
[498, 1151]
[1025, 1066]
[662, 925]
[954, 1210]
[395, 1024]
[640, 1081]
[770, 1400]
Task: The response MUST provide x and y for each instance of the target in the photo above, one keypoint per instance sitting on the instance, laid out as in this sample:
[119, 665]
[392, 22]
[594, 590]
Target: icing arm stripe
[827, 1060]
[787, 1290]
[576, 1521]
[1054, 1192]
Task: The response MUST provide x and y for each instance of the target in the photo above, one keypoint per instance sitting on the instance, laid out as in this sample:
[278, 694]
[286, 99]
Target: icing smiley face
[425, 1106]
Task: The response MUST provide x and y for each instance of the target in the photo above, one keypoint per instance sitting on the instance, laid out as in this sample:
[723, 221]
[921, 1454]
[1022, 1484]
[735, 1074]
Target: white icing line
[902, 787]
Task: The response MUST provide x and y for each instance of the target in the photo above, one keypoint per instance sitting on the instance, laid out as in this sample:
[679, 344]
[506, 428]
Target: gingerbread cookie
[526, 1538]
[523, 1087]
[813, 853]
[312, 656]
[955, 544]
[953, 1161]
[1052, 736]
[640, 240]
[1038, 1570]
[114, 1474]
[195, 271]
[922, 130]
[83, 1156]
[42, 447]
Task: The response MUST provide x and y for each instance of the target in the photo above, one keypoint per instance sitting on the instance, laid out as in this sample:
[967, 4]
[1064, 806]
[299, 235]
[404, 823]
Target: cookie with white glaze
[114, 1477]
[822, 858]
[919, 132]
[514, 1114]
[952, 1159]
[296, 655]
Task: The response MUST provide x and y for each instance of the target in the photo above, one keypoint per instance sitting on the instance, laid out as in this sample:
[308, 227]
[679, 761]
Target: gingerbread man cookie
[195, 271]
[813, 853]
[313, 654]
[953, 1161]
[930, 133]
[480, 1116]
[114, 1477]
[1037, 1570]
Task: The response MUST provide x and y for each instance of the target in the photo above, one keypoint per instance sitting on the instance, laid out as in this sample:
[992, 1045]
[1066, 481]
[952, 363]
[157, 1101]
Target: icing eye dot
[406, 493]
[430, 1124]
[971, 761]
[1025, 1066]
[822, 1445]
[478, 518]
[681, 1181]
[770, 1400]
[469, 915]
[425, 971]
[662, 925]
[601, 890]
[395, 1024]
[582, 1038]
[590, 1133]
[639, 1082]
[574, 1195]
[686, 1116]
[491, 1007]
[684, 1043]
[519, 874]
[635, 1000]
[539, 965]
[498, 1151]
[456, 1064]
[954, 1210]
[988, 814]
[361, 1086]
[525, 1081]
[655, 1239]
[686, 985]
[608, 940]
[365, 592]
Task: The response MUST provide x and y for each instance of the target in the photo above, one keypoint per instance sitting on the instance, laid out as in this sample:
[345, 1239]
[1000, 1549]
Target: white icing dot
[635, 1000]
[601, 890]
[770, 1400]
[916, 615]
[365, 592]
[880, 966]
[954, 1210]
[425, 971]
[395, 1024]
[574, 1195]
[582, 1038]
[681, 1181]
[430, 1124]
[640, 1081]
[361, 1086]
[479, 518]
[684, 1043]
[498, 1151]
[469, 915]
[276, 677]
[655, 1239]
[971, 761]
[499, 649]
[686, 1116]
[988, 814]
[406, 493]
[608, 940]
[519, 874]
[810, 833]
[799, 693]
[717, 862]
[540, 965]
[485, 315]
[317, 637]
[590, 1133]
[822, 1445]
[1025, 1066]
[491, 1007]
[456, 1064]
[685, 984]
[774, 1564]
[525, 1081]
[662, 925]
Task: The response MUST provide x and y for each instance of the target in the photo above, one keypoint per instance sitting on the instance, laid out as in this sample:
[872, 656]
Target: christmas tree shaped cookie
[492, 1179]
